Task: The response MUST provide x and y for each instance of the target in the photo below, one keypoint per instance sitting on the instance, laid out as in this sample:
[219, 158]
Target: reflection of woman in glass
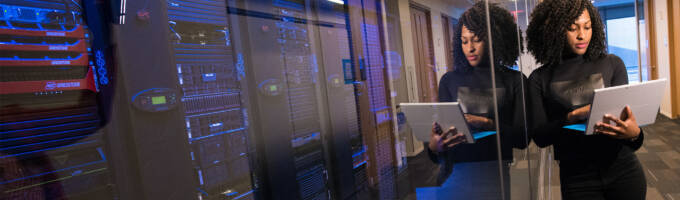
[475, 166]
[567, 36]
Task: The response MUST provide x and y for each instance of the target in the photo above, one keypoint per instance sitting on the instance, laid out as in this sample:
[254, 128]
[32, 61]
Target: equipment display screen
[158, 100]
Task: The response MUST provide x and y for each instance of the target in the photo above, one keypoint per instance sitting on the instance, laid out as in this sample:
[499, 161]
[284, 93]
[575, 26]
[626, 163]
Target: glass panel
[462, 75]
[520, 64]
[513, 65]
[246, 99]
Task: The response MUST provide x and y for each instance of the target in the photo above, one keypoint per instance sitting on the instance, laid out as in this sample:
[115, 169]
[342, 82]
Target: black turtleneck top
[472, 88]
[557, 90]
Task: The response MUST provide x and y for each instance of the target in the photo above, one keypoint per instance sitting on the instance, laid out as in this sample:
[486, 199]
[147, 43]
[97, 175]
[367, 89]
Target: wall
[663, 59]
[674, 34]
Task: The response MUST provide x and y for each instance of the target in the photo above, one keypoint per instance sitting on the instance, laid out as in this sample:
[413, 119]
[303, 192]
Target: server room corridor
[306, 99]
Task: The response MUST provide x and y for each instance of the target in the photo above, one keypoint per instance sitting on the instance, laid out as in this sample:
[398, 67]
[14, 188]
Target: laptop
[643, 98]
[421, 116]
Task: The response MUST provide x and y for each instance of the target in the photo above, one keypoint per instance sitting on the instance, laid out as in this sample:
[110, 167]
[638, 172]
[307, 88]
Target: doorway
[421, 28]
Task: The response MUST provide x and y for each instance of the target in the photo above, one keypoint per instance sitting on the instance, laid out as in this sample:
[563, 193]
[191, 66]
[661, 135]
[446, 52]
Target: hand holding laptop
[626, 126]
[442, 141]
[422, 117]
[643, 99]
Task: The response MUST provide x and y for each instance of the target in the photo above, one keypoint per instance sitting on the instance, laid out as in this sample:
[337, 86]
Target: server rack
[282, 73]
[227, 97]
[347, 149]
[183, 102]
[211, 94]
[187, 85]
[49, 107]
[303, 107]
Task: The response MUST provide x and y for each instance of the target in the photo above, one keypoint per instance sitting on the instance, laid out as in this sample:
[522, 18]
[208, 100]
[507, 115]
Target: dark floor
[660, 157]
[422, 172]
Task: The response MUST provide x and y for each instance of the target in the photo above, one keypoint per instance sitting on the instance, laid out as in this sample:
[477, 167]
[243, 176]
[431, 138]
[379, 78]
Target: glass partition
[448, 58]
[275, 99]
[514, 64]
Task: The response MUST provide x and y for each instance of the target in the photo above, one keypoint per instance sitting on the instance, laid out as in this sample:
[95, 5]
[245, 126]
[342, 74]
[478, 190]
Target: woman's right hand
[443, 141]
[579, 114]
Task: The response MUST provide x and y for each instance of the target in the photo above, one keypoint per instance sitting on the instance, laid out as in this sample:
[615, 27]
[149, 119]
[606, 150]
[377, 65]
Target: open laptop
[643, 98]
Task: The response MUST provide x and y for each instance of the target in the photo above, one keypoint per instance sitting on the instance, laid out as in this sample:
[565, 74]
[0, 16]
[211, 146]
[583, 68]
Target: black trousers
[624, 179]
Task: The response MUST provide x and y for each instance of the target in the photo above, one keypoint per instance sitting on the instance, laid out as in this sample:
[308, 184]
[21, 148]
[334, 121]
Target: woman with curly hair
[473, 168]
[567, 37]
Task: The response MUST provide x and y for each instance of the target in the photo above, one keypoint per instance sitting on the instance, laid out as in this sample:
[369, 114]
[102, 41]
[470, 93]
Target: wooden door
[423, 54]
[448, 25]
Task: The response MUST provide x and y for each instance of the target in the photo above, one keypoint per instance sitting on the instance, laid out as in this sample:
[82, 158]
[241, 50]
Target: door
[448, 25]
[424, 54]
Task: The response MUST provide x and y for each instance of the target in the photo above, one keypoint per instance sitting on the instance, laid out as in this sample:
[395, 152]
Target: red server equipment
[49, 113]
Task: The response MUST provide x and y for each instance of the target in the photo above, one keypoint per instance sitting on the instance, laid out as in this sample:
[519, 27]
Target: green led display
[158, 100]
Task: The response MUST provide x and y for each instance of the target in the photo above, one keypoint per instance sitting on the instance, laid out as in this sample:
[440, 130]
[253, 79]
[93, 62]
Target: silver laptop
[643, 98]
[421, 116]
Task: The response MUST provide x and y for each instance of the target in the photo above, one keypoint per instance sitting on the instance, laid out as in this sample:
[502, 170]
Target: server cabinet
[185, 111]
[283, 74]
[347, 148]
[299, 67]
[52, 78]
[214, 99]
[209, 75]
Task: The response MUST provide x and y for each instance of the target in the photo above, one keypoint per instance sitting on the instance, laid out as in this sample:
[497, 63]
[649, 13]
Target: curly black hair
[504, 33]
[546, 34]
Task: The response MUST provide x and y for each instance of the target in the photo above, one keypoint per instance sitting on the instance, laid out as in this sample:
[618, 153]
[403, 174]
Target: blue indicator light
[209, 77]
[216, 125]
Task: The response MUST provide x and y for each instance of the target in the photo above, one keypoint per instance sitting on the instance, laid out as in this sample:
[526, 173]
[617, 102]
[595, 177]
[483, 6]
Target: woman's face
[579, 33]
[473, 46]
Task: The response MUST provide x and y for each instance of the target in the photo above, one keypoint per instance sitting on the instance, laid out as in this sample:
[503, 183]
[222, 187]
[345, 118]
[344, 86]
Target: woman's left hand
[626, 127]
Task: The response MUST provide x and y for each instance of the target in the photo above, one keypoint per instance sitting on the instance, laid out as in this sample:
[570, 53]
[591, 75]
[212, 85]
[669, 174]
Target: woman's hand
[479, 122]
[626, 127]
[440, 142]
[579, 114]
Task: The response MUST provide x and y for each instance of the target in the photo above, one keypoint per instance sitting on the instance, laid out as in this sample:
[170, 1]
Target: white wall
[663, 59]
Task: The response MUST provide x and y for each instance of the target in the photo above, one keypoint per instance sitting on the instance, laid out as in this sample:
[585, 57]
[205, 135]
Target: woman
[475, 166]
[567, 37]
